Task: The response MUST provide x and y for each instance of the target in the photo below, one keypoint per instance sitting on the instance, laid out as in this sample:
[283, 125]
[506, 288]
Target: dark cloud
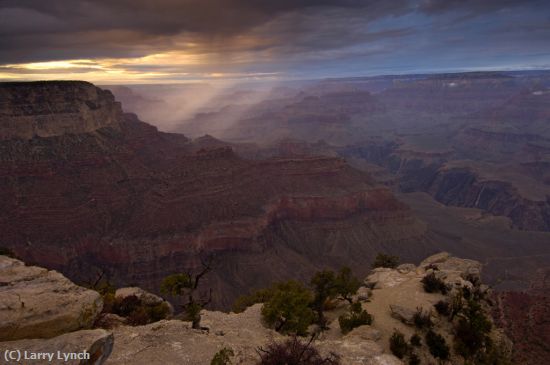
[263, 35]
[56, 29]
[473, 6]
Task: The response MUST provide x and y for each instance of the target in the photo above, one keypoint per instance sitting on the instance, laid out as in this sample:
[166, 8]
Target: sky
[165, 41]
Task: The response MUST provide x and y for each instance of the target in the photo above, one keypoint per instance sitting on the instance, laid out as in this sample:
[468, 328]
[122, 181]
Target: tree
[437, 345]
[356, 317]
[398, 346]
[186, 285]
[422, 319]
[384, 260]
[325, 287]
[415, 340]
[223, 356]
[289, 308]
[347, 284]
[471, 331]
[433, 284]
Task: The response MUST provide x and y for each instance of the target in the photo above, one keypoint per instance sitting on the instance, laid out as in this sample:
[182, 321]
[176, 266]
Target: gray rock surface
[403, 314]
[38, 303]
[175, 342]
[90, 347]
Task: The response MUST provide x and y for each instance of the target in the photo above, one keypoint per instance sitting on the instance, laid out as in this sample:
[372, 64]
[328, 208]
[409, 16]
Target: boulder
[403, 314]
[352, 350]
[38, 303]
[367, 333]
[146, 298]
[435, 259]
[109, 321]
[363, 294]
[91, 347]
[385, 359]
[384, 278]
[406, 268]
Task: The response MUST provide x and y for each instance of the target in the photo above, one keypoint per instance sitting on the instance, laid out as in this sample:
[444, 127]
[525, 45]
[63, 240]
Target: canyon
[116, 197]
[324, 174]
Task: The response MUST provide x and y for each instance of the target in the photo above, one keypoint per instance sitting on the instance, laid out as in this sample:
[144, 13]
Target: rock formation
[45, 318]
[37, 303]
[50, 109]
[525, 317]
[87, 189]
[175, 342]
[91, 347]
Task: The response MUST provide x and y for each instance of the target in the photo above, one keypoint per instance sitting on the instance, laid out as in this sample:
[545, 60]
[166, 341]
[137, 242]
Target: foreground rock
[175, 342]
[90, 347]
[38, 303]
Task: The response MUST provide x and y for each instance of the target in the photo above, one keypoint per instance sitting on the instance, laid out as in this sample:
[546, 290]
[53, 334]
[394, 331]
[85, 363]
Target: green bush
[471, 331]
[432, 284]
[356, 317]
[328, 285]
[398, 346]
[325, 287]
[415, 340]
[437, 345]
[138, 313]
[442, 307]
[422, 319]
[414, 359]
[294, 352]
[384, 260]
[223, 356]
[186, 286]
[288, 310]
[346, 284]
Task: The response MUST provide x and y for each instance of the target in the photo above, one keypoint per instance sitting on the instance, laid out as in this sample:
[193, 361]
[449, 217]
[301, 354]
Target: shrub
[186, 286]
[456, 306]
[398, 345]
[432, 284]
[245, 301]
[415, 340]
[138, 313]
[328, 285]
[346, 284]
[222, 357]
[414, 359]
[288, 310]
[442, 307]
[422, 319]
[125, 306]
[325, 287]
[383, 260]
[437, 345]
[471, 331]
[294, 352]
[356, 317]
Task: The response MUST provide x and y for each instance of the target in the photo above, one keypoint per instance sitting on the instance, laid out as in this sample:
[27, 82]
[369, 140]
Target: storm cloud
[242, 36]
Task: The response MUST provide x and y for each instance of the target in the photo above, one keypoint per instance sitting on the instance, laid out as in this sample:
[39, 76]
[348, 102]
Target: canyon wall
[114, 195]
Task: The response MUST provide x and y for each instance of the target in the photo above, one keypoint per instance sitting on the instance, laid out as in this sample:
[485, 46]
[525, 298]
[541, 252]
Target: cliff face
[467, 184]
[47, 109]
[525, 316]
[116, 195]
